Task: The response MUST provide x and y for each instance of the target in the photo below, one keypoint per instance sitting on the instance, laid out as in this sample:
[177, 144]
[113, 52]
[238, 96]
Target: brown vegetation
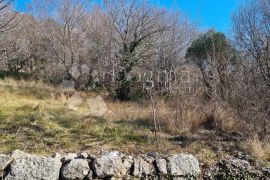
[193, 91]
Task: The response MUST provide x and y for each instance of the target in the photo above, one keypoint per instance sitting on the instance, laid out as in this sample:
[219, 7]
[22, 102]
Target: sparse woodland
[155, 69]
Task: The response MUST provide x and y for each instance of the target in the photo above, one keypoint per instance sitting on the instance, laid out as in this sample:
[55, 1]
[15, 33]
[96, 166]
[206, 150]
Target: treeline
[69, 39]
[100, 46]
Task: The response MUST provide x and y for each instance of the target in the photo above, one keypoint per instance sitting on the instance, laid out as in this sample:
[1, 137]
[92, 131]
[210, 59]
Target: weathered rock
[233, 169]
[153, 154]
[69, 157]
[84, 155]
[109, 165]
[76, 169]
[34, 168]
[90, 175]
[17, 154]
[128, 162]
[143, 166]
[115, 154]
[5, 161]
[183, 165]
[162, 166]
[92, 156]
[115, 165]
[57, 156]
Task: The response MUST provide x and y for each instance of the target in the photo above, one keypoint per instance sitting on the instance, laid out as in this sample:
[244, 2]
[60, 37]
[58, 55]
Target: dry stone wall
[110, 165]
[116, 165]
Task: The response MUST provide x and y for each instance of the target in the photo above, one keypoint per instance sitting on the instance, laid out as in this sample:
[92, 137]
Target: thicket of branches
[251, 91]
[69, 39]
[72, 39]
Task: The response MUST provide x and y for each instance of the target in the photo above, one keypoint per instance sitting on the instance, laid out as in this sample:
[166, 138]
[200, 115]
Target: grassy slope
[36, 118]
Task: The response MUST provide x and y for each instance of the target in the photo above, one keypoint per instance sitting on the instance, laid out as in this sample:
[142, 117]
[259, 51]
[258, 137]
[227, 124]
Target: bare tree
[7, 16]
[7, 22]
[252, 34]
[99, 46]
[171, 47]
[135, 24]
[20, 44]
[59, 27]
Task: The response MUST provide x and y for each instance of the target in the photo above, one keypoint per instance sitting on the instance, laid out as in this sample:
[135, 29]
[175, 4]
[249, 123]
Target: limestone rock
[5, 161]
[57, 156]
[183, 165]
[128, 162]
[234, 169]
[90, 175]
[69, 157]
[84, 155]
[143, 166]
[34, 167]
[17, 154]
[76, 169]
[162, 166]
[153, 154]
[109, 165]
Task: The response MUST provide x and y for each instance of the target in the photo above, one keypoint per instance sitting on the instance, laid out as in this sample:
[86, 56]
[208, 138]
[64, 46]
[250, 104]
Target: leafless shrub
[183, 114]
[8, 21]
[250, 95]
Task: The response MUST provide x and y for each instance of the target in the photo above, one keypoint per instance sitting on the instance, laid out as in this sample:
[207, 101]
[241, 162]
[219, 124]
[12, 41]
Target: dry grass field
[37, 118]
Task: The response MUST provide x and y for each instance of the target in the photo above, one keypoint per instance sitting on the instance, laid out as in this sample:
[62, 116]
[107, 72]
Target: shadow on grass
[182, 140]
[138, 123]
[213, 139]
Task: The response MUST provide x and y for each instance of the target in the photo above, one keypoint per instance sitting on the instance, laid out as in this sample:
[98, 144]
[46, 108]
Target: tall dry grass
[24, 83]
[258, 148]
[184, 114]
[176, 115]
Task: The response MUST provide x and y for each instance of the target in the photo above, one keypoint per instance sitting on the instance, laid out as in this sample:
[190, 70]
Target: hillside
[38, 118]
[41, 119]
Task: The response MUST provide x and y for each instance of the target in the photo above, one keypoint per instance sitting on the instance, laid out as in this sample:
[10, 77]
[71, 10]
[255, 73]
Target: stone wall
[115, 165]
[110, 165]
